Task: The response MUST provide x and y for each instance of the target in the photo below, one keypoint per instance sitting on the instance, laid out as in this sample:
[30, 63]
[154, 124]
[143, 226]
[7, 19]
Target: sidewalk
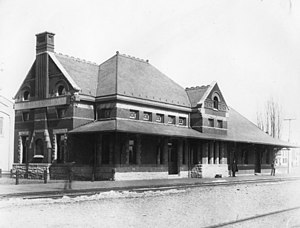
[55, 188]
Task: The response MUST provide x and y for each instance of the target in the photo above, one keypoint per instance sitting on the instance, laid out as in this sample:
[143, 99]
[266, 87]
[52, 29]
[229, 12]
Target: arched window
[39, 147]
[61, 90]
[216, 102]
[26, 95]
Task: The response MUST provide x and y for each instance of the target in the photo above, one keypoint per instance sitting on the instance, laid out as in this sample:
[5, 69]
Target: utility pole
[289, 156]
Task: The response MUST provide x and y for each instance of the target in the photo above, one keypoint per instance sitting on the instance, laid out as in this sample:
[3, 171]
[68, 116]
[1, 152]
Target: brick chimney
[44, 42]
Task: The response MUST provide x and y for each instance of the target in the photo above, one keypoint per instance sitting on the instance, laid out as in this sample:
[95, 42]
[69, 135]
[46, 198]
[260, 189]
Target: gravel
[196, 207]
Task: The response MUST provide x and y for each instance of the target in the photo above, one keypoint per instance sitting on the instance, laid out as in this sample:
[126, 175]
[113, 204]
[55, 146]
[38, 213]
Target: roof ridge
[134, 58]
[196, 87]
[77, 59]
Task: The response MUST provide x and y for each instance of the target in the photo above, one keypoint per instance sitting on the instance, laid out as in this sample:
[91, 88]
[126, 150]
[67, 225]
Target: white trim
[23, 133]
[207, 92]
[65, 73]
[60, 131]
[151, 110]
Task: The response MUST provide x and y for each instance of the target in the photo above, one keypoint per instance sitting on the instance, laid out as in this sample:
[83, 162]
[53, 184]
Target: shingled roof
[124, 75]
[196, 93]
[85, 74]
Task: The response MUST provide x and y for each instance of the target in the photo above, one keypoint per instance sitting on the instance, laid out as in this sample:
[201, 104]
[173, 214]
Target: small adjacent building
[6, 134]
[124, 119]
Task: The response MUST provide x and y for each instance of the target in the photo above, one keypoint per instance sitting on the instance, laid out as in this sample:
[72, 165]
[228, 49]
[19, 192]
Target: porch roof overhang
[151, 128]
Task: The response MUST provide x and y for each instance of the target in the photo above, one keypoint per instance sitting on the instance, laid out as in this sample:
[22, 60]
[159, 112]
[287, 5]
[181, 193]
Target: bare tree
[270, 120]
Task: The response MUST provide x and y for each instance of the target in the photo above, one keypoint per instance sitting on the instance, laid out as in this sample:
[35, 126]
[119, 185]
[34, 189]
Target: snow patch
[100, 196]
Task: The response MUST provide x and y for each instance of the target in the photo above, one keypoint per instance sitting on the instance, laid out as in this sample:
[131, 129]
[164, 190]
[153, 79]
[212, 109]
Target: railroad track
[87, 192]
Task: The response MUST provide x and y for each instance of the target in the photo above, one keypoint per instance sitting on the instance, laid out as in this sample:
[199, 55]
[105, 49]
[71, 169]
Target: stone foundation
[196, 171]
[35, 170]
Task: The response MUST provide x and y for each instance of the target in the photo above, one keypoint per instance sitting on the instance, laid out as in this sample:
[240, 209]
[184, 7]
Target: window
[39, 147]
[216, 102]
[171, 119]
[147, 116]
[104, 113]
[182, 121]
[26, 95]
[159, 118]
[61, 90]
[220, 124]
[211, 122]
[61, 112]
[25, 116]
[134, 114]
[1, 125]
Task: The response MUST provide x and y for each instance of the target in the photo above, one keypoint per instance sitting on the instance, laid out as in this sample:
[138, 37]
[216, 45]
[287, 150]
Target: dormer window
[182, 121]
[159, 118]
[26, 95]
[147, 116]
[171, 119]
[216, 102]
[134, 114]
[61, 90]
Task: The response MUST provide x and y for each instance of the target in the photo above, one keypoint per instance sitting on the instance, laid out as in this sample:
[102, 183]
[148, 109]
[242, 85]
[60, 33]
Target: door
[173, 157]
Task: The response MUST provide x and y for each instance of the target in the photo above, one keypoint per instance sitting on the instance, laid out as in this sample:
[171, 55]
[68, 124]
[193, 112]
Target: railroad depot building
[124, 119]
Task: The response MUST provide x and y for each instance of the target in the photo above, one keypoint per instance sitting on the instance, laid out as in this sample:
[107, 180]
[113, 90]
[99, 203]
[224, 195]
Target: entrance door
[173, 157]
[257, 161]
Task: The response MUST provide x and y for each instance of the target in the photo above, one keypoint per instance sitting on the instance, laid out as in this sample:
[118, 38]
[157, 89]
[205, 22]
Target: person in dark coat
[273, 168]
[234, 168]
[68, 182]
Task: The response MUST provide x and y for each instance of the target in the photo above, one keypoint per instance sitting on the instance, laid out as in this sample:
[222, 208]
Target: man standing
[234, 168]
[273, 168]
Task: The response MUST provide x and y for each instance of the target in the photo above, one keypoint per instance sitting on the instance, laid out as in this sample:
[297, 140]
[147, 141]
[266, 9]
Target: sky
[251, 48]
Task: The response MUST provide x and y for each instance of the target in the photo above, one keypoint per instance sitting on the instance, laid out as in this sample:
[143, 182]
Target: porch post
[179, 152]
[65, 148]
[20, 150]
[117, 148]
[165, 150]
[186, 152]
[158, 152]
[199, 150]
[111, 149]
[225, 146]
[127, 150]
[205, 153]
[54, 148]
[222, 151]
[138, 149]
[217, 152]
[99, 150]
[211, 152]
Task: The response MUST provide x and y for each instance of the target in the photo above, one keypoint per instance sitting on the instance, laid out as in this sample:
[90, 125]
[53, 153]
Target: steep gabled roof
[124, 75]
[196, 93]
[81, 74]
[137, 78]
